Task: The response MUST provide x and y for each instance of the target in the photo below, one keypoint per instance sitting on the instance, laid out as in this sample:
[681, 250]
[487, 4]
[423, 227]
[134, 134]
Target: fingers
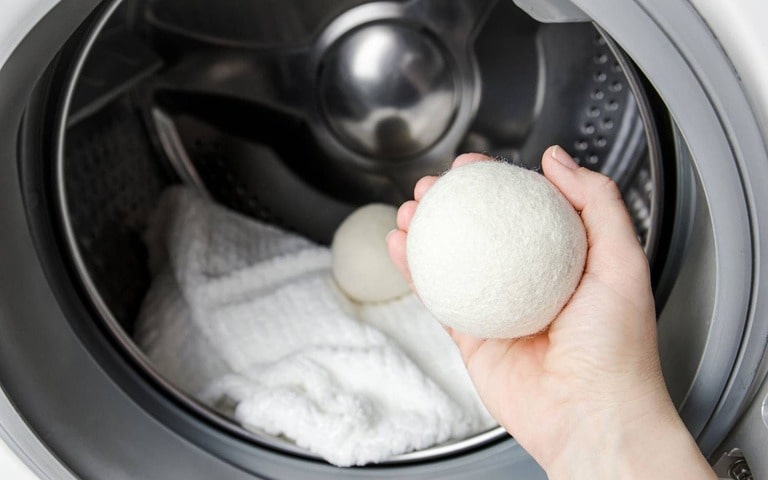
[422, 186]
[466, 158]
[396, 247]
[611, 236]
[405, 214]
[396, 240]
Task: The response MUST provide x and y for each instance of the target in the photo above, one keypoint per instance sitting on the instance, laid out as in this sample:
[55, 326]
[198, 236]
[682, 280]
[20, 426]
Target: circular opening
[164, 94]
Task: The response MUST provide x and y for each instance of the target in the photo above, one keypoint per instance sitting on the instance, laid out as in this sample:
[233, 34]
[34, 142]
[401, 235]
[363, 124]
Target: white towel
[409, 324]
[243, 313]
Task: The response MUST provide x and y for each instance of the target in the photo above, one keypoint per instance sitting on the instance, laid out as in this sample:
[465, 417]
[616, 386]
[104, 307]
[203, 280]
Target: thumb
[614, 249]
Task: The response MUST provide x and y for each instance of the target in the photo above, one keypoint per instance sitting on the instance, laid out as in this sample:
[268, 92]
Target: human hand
[586, 397]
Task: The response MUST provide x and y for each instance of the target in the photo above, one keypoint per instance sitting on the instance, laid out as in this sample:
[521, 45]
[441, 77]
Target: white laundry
[414, 329]
[243, 313]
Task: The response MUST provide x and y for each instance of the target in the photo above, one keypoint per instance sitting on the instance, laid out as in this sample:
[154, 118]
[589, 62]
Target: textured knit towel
[241, 313]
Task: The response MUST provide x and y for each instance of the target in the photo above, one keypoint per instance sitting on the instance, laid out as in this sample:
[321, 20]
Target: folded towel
[409, 324]
[242, 313]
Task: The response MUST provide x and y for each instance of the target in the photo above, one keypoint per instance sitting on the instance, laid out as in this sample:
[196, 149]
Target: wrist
[639, 442]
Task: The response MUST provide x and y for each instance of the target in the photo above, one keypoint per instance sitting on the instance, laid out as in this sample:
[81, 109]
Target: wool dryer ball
[495, 250]
[361, 264]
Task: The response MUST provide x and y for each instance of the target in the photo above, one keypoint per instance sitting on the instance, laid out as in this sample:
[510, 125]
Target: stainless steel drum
[297, 112]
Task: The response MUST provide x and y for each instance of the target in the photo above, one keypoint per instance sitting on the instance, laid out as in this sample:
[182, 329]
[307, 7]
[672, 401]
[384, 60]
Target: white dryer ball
[495, 250]
[361, 264]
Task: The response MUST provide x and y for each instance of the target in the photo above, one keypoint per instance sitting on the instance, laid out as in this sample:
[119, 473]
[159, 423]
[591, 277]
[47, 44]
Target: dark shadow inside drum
[149, 106]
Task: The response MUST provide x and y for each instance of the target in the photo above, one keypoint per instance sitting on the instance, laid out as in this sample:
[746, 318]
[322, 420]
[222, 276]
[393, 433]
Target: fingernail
[386, 239]
[563, 158]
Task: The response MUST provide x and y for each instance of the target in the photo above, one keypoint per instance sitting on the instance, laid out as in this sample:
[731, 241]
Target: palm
[531, 378]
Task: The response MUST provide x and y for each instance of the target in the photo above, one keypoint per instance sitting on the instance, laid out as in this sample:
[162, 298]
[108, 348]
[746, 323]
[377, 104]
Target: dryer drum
[239, 103]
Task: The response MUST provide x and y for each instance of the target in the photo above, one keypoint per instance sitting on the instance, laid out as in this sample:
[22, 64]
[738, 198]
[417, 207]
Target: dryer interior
[295, 113]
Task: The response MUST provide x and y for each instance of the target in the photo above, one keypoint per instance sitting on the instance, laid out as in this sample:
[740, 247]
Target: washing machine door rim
[713, 102]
